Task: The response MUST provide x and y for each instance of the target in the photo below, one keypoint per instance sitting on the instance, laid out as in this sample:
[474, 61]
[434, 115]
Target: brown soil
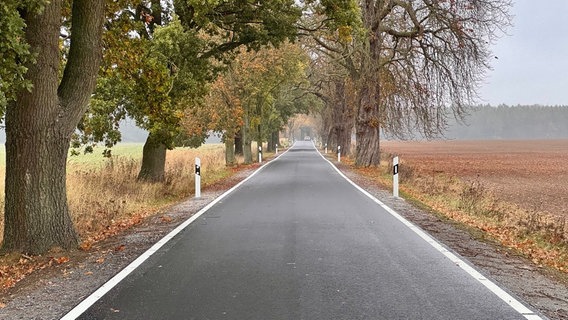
[532, 174]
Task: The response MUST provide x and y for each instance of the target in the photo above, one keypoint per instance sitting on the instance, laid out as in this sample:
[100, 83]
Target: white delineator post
[338, 153]
[326, 148]
[395, 177]
[259, 154]
[197, 178]
[277, 149]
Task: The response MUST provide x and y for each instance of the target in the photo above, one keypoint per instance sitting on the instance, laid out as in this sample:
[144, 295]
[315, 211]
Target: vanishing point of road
[298, 241]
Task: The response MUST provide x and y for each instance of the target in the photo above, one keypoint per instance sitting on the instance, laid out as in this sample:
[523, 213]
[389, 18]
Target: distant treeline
[512, 122]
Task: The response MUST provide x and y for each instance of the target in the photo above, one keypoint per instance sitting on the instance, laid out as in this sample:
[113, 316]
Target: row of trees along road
[409, 66]
[150, 61]
[261, 91]
[389, 64]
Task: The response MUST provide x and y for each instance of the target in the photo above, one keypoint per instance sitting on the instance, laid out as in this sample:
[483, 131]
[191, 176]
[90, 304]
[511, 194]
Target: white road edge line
[502, 294]
[106, 287]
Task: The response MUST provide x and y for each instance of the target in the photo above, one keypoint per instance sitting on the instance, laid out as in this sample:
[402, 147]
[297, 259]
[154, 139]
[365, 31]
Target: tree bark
[153, 160]
[247, 152]
[368, 128]
[39, 127]
[342, 118]
[230, 149]
[239, 142]
[273, 141]
[368, 121]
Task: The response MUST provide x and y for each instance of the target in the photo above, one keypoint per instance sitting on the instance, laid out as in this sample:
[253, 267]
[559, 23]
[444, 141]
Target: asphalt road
[297, 241]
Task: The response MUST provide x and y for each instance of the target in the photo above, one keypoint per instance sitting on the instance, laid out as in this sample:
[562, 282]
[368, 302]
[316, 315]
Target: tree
[184, 56]
[226, 112]
[15, 53]
[264, 88]
[228, 25]
[329, 40]
[40, 121]
[421, 59]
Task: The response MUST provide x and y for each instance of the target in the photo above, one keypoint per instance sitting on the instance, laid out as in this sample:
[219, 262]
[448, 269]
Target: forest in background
[485, 122]
[511, 122]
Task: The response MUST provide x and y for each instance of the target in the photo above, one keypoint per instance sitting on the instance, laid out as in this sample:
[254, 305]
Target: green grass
[131, 151]
[96, 158]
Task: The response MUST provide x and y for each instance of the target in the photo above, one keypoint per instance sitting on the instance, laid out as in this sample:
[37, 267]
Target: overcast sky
[532, 64]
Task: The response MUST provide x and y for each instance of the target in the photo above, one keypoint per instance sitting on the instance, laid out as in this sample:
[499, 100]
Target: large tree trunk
[153, 160]
[230, 149]
[239, 142]
[342, 118]
[368, 128]
[39, 126]
[36, 212]
[368, 121]
[247, 152]
[273, 141]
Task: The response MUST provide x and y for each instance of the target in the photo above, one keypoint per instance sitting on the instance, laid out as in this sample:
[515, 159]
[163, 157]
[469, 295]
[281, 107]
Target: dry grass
[452, 179]
[104, 196]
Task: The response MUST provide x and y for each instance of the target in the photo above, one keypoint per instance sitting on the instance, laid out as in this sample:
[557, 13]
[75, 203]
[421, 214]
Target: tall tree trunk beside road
[239, 142]
[40, 123]
[368, 128]
[421, 62]
[273, 141]
[368, 122]
[342, 116]
[153, 160]
[229, 138]
[153, 166]
[247, 151]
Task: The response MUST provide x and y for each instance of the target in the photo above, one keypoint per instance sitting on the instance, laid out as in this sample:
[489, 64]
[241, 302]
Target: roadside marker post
[259, 154]
[197, 178]
[338, 153]
[277, 149]
[326, 148]
[395, 177]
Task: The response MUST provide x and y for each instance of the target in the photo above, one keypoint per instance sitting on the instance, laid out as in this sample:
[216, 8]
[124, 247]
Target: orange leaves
[166, 219]
[61, 260]
[86, 245]
[14, 268]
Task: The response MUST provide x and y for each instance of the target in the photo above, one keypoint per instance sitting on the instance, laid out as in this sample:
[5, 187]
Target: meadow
[515, 191]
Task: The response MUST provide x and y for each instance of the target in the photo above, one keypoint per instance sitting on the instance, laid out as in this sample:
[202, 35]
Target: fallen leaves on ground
[539, 250]
[15, 267]
[166, 219]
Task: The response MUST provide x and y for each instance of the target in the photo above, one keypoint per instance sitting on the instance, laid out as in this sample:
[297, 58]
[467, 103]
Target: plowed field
[532, 174]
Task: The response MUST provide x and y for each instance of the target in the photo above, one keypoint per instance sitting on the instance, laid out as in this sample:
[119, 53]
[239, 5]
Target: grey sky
[532, 64]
